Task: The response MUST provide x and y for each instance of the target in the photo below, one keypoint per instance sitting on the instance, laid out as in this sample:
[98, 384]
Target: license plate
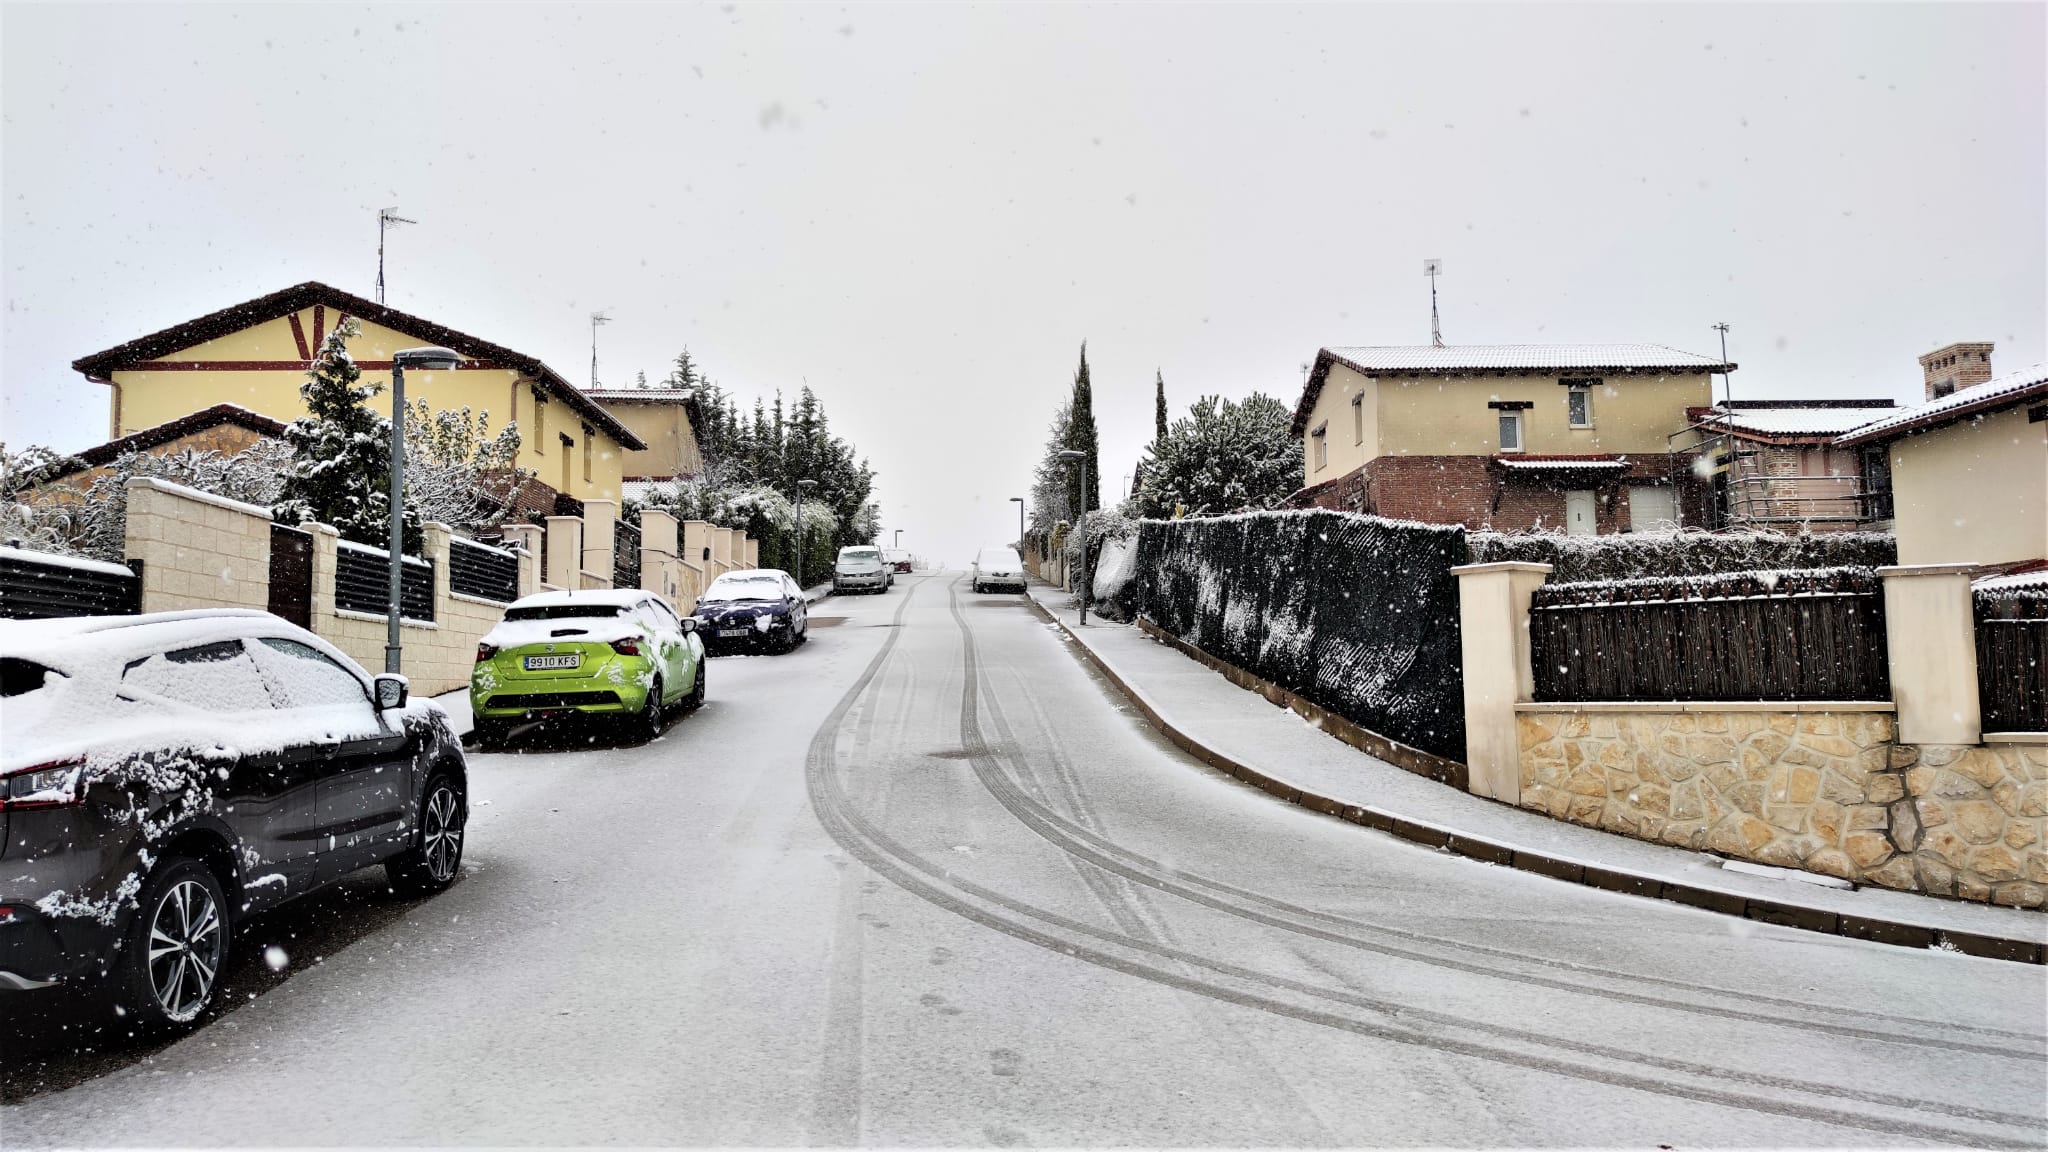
[541, 663]
[730, 633]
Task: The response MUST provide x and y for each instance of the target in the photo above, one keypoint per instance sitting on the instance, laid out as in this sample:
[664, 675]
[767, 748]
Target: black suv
[167, 775]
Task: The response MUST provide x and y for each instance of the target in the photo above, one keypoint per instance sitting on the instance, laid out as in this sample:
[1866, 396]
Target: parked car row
[166, 776]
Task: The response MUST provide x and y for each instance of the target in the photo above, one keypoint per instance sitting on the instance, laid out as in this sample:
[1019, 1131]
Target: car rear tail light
[51, 785]
[485, 652]
[627, 647]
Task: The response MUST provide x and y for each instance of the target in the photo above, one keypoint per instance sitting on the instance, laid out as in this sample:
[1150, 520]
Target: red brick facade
[1477, 492]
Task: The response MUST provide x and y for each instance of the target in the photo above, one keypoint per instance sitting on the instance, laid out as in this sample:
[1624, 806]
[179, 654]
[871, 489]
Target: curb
[1571, 871]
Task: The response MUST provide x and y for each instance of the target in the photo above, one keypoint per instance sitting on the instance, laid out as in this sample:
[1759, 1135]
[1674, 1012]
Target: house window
[587, 438]
[1511, 431]
[540, 423]
[1578, 406]
[1358, 419]
[1320, 446]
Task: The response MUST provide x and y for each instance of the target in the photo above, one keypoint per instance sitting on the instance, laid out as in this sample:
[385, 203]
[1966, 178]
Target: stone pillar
[697, 543]
[565, 552]
[326, 542]
[600, 519]
[434, 549]
[721, 549]
[525, 540]
[1931, 643]
[1493, 621]
[658, 554]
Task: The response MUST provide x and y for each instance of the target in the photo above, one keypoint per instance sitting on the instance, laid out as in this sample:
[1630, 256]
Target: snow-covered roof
[1525, 357]
[1829, 421]
[1559, 463]
[2030, 578]
[643, 395]
[2002, 392]
[1471, 359]
[752, 574]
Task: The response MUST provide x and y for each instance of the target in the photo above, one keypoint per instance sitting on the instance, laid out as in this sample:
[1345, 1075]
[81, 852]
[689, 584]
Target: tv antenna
[1727, 394]
[385, 218]
[1431, 269]
[596, 318]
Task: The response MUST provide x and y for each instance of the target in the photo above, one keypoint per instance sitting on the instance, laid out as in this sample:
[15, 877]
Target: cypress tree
[1081, 437]
[1158, 408]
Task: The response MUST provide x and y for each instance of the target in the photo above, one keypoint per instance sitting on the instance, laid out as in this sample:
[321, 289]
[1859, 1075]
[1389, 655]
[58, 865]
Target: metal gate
[291, 574]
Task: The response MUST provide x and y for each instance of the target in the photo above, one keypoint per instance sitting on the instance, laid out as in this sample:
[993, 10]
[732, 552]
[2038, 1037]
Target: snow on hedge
[1686, 552]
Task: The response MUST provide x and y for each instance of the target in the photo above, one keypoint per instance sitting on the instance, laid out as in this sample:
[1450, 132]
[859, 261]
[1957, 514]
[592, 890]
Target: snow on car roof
[753, 574]
[621, 597]
[78, 642]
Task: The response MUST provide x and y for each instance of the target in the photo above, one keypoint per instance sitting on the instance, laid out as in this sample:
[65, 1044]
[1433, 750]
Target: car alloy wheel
[433, 860]
[651, 718]
[186, 941]
[696, 698]
[441, 834]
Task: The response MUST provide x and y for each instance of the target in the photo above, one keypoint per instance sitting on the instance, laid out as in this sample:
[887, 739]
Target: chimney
[1955, 367]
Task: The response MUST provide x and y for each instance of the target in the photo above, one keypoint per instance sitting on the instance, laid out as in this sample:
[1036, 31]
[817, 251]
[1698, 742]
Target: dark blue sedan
[752, 610]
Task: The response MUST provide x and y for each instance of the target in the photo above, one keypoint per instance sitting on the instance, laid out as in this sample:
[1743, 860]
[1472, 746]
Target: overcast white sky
[922, 211]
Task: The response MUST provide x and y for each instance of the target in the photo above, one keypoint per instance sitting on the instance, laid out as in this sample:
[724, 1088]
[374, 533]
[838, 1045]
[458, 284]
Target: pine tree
[684, 375]
[1223, 457]
[1081, 437]
[341, 466]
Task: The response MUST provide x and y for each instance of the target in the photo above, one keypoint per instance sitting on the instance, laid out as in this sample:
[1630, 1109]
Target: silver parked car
[996, 568]
[860, 569]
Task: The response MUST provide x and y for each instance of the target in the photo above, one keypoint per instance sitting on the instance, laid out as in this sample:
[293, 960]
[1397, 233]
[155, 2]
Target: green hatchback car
[622, 656]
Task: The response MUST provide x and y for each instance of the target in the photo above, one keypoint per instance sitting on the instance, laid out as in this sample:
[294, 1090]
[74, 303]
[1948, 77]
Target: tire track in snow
[1116, 952]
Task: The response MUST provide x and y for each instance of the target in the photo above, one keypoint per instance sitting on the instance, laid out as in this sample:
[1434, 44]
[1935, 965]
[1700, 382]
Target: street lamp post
[1074, 456]
[427, 360]
[802, 486]
[1019, 502]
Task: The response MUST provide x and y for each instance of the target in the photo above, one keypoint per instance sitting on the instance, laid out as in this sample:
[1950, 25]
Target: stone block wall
[197, 550]
[1818, 787]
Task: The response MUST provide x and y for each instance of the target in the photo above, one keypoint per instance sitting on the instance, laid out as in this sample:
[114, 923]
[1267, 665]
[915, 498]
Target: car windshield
[728, 588]
[999, 558]
[861, 554]
[589, 611]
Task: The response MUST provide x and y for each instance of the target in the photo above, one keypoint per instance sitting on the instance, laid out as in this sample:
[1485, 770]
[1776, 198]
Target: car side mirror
[689, 624]
[391, 691]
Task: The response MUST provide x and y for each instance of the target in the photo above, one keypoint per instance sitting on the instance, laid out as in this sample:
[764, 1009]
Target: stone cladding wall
[1827, 791]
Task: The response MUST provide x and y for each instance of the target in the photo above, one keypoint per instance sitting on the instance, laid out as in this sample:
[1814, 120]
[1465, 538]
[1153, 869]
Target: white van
[997, 568]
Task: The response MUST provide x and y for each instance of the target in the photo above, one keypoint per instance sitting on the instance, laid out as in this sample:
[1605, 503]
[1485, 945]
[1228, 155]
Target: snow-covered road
[928, 881]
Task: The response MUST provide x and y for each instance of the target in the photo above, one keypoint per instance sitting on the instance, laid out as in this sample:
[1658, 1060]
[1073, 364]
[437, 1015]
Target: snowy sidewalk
[1277, 750]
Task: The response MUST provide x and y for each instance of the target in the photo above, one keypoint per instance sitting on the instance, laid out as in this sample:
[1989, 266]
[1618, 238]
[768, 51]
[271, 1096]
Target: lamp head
[1071, 455]
[807, 485]
[428, 359]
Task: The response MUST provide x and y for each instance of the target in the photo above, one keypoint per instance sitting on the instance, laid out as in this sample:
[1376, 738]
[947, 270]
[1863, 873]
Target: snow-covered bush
[456, 472]
[1110, 533]
[39, 524]
[95, 524]
[1686, 552]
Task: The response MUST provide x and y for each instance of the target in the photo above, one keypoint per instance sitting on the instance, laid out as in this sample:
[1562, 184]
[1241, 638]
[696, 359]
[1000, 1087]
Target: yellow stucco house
[1523, 436]
[254, 355]
[1968, 469]
[670, 423]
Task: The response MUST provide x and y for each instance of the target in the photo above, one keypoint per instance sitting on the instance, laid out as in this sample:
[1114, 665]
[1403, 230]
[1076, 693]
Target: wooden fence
[1816, 634]
[2012, 659]
[362, 582]
[39, 585]
[482, 571]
